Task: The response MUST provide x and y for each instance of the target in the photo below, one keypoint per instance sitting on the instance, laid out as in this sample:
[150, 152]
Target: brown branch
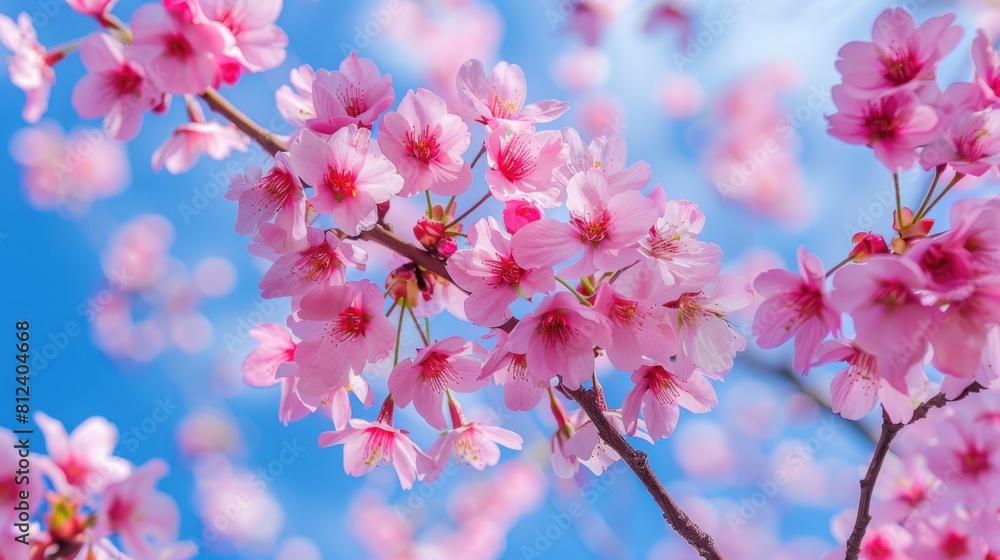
[398, 245]
[639, 463]
[267, 139]
[889, 431]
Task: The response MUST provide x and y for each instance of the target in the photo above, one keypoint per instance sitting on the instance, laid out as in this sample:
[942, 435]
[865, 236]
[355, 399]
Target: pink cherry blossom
[501, 96]
[349, 183]
[277, 195]
[31, 66]
[423, 379]
[900, 54]
[138, 514]
[356, 94]
[796, 305]
[426, 143]
[857, 388]
[894, 125]
[260, 45]
[660, 394]
[494, 279]
[116, 88]
[558, 339]
[521, 391]
[607, 155]
[637, 329]
[188, 141]
[369, 444]
[970, 144]
[472, 444]
[84, 458]
[587, 447]
[518, 213]
[967, 454]
[677, 261]
[185, 54]
[94, 8]
[296, 105]
[342, 329]
[705, 339]
[987, 63]
[522, 163]
[890, 320]
[276, 347]
[604, 225]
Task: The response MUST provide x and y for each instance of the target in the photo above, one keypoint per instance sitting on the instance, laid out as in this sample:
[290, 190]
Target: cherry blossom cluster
[926, 297]
[635, 283]
[88, 503]
[937, 496]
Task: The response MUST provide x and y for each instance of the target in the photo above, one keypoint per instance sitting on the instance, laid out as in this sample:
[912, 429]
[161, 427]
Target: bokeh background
[699, 96]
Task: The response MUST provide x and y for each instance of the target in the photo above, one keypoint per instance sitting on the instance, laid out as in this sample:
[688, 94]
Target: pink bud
[866, 245]
[518, 213]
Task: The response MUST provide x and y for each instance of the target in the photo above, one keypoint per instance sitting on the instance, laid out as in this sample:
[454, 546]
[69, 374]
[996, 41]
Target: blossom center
[378, 448]
[177, 46]
[594, 229]
[555, 328]
[341, 184]
[126, 81]
[353, 99]
[503, 107]
[955, 545]
[505, 272]
[517, 159]
[351, 323]
[900, 66]
[423, 147]
[883, 120]
[438, 371]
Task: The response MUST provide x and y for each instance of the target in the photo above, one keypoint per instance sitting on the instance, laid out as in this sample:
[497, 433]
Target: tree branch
[267, 139]
[639, 463]
[889, 431]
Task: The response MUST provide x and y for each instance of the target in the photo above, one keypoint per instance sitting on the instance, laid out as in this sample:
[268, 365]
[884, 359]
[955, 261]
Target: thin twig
[889, 431]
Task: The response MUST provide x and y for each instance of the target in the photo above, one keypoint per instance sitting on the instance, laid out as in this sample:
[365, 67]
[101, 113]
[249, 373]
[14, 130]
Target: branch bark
[889, 432]
[639, 463]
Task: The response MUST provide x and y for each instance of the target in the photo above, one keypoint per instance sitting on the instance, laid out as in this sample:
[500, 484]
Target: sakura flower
[276, 348]
[521, 391]
[31, 66]
[472, 444]
[424, 378]
[952, 537]
[277, 195]
[961, 338]
[296, 105]
[890, 320]
[349, 183]
[143, 518]
[705, 339]
[607, 155]
[888, 541]
[184, 53]
[84, 458]
[967, 454]
[369, 444]
[518, 213]
[900, 54]
[522, 163]
[987, 63]
[116, 88]
[894, 125]
[492, 276]
[188, 141]
[857, 388]
[426, 143]
[95, 8]
[604, 225]
[678, 261]
[660, 394]
[970, 144]
[637, 329]
[356, 94]
[558, 339]
[260, 45]
[342, 329]
[796, 306]
[501, 96]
